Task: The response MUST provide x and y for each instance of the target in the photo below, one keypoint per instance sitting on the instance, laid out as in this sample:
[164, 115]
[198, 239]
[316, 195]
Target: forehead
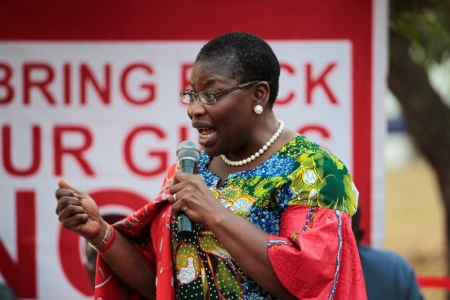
[206, 72]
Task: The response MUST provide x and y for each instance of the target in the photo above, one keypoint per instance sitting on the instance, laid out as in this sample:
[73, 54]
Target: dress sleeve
[315, 254]
[136, 227]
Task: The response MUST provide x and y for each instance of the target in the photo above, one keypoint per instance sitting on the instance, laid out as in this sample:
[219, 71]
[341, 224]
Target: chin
[211, 152]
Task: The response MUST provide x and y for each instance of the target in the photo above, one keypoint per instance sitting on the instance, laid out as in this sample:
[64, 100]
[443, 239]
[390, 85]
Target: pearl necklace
[257, 153]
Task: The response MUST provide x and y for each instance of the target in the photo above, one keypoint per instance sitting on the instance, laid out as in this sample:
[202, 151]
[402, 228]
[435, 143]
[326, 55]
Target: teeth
[205, 136]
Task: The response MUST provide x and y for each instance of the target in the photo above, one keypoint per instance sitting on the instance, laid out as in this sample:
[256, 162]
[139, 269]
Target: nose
[196, 109]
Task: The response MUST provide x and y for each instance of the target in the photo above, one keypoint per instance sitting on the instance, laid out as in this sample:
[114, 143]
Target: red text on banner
[39, 78]
[319, 81]
[21, 274]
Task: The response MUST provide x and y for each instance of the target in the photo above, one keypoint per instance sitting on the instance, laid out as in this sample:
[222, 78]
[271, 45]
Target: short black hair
[247, 57]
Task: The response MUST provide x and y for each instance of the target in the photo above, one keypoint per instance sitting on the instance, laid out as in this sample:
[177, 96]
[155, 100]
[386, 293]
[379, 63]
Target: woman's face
[224, 127]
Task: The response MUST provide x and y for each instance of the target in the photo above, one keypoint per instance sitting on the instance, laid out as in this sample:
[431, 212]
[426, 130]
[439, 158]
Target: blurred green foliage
[425, 24]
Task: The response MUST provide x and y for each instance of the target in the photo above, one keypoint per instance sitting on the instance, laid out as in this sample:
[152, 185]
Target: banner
[99, 107]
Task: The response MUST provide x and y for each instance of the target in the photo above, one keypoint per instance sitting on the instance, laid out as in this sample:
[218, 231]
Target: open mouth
[206, 133]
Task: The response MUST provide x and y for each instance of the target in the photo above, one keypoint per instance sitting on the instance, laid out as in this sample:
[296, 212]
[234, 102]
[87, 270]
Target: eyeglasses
[209, 97]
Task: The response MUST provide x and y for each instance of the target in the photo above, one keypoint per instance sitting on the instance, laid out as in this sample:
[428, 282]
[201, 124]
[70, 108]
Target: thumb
[64, 185]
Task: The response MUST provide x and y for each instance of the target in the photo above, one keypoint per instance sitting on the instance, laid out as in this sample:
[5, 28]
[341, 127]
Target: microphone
[188, 155]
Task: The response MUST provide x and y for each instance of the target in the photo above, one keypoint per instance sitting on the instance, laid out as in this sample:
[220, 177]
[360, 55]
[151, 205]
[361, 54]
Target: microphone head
[188, 149]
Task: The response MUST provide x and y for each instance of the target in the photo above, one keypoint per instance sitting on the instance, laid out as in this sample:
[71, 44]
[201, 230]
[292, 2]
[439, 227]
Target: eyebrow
[206, 82]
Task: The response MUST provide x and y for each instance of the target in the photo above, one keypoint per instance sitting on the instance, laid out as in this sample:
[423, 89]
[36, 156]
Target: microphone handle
[184, 225]
[188, 165]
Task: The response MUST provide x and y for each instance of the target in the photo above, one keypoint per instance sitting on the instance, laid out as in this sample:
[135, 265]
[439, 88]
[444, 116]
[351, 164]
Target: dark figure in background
[6, 293]
[387, 274]
[271, 209]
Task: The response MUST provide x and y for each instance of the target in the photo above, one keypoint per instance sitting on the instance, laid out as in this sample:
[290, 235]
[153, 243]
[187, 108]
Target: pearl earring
[258, 109]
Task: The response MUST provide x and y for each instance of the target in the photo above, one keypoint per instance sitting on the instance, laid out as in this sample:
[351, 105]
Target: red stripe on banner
[434, 282]
[362, 121]
[181, 20]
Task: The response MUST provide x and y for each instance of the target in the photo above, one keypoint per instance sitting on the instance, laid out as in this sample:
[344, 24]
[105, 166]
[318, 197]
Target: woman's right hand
[79, 213]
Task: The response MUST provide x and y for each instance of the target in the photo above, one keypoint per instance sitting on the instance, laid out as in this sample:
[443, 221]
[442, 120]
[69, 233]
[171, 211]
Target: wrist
[217, 220]
[102, 238]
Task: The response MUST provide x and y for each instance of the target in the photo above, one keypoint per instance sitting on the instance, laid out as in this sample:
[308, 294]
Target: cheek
[230, 115]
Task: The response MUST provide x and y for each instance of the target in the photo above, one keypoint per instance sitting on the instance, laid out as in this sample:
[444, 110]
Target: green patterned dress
[288, 196]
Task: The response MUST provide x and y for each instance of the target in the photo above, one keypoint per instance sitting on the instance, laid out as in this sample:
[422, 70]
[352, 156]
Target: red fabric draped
[316, 257]
[157, 253]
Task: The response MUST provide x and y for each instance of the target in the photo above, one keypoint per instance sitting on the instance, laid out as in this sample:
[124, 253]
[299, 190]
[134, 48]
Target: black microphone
[188, 155]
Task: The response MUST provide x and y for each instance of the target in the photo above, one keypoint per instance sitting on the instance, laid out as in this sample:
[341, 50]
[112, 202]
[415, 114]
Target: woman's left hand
[191, 196]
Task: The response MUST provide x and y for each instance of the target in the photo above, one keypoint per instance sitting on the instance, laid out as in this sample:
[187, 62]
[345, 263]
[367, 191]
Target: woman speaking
[270, 210]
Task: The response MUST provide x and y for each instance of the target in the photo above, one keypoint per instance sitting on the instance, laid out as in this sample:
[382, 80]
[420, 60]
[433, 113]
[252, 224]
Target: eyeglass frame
[200, 95]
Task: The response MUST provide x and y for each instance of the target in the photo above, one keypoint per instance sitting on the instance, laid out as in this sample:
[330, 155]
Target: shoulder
[390, 258]
[310, 155]
[388, 275]
[322, 179]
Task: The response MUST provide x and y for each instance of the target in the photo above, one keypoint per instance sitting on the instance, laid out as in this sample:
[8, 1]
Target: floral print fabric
[302, 196]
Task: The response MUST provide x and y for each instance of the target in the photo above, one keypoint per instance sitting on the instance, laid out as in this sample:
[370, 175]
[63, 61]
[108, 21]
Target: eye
[187, 96]
[209, 97]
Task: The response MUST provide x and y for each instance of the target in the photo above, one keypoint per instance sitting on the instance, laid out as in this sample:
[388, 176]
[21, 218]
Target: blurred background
[417, 148]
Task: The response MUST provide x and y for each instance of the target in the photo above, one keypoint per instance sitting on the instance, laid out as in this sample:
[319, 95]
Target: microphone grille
[188, 149]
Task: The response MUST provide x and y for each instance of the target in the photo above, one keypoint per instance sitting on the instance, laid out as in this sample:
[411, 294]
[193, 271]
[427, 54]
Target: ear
[261, 94]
